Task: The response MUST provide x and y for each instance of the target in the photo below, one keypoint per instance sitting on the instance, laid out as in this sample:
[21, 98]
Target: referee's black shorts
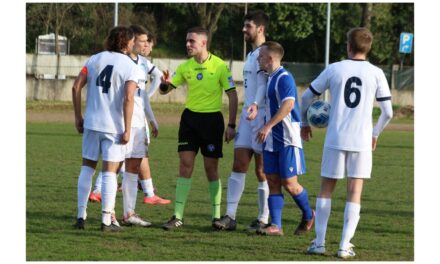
[202, 130]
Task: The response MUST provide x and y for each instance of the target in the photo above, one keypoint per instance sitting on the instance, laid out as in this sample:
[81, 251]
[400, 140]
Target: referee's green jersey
[206, 83]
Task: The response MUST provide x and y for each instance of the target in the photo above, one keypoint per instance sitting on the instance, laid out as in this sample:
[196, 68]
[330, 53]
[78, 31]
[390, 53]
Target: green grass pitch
[53, 156]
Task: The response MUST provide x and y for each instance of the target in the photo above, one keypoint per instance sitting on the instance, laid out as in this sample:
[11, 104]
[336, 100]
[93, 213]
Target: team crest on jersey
[211, 148]
[291, 169]
[231, 82]
[199, 76]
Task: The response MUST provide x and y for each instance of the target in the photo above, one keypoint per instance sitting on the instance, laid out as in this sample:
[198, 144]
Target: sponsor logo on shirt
[199, 76]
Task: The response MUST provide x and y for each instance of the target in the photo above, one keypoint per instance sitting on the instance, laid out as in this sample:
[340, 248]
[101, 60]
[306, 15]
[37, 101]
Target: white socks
[263, 207]
[129, 192]
[323, 208]
[108, 195]
[98, 183]
[147, 187]
[235, 189]
[351, 220]
[84, 187]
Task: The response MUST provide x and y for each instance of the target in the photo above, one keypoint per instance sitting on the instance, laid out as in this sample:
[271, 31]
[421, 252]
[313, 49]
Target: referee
[201, 123]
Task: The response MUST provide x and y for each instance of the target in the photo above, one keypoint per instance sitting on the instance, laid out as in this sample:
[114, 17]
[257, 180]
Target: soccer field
[53, 159]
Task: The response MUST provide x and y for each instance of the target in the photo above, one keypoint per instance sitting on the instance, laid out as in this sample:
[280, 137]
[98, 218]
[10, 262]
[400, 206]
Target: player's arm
[286, 107]
[233, 105]
[259, 97]
[150, 116]
[306, 100]
[156, 75]
[79, 83]
[386, 114]
[130, 88]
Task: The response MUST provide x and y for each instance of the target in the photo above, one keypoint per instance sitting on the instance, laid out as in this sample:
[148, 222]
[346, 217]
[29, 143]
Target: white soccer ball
[318, 114]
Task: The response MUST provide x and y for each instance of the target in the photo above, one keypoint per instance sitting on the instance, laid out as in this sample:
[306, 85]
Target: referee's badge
[211, 147]
[199, 76]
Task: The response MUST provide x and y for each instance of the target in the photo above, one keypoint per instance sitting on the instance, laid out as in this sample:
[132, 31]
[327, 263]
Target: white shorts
[247, 131]
[335, 162]
[106, 144]
[136, 145]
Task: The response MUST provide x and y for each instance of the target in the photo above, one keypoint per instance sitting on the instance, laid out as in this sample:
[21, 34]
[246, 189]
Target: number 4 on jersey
[104, 78]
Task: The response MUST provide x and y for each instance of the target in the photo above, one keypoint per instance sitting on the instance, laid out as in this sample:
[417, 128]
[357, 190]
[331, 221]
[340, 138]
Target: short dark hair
[259, 17]
[360, 39]
[199, 30]
[118, 38]
[274, 47]
[151, 38]
[139, 30]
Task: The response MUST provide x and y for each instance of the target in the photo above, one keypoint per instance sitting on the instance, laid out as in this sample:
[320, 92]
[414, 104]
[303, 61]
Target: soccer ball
[318, 114]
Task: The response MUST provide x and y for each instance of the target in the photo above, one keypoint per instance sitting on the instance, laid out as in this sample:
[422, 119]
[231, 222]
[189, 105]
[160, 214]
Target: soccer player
[255, 80]
[148, 68]
[283, 154]
[111, 80]
[350, 136]
[202, 123]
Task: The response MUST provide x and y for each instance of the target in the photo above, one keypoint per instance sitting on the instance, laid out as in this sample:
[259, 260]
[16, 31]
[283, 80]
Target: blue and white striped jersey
[280, 87]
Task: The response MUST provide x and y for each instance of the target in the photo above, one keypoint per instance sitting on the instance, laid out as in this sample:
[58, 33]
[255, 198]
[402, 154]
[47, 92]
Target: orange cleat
[95, 197]
[155, 200]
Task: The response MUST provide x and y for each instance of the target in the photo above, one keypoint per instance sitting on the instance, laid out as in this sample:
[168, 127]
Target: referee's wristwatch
[232, 126]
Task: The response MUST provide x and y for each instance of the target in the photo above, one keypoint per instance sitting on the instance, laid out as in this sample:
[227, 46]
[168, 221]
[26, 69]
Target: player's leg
[112, 156]
[359, 165]
[332, 169]
[276, 197]
[263, 195]
[90, 154]
[95, 195]
[147, 185]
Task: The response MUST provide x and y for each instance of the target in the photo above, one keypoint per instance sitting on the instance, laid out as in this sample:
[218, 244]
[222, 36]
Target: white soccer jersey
[254, 80]
[138, 119]
[281, 86]
[353, 84]
[107, 73]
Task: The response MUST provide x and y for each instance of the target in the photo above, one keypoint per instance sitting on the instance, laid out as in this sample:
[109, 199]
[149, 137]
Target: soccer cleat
[346, 253]
[225, 223]
[80, 223]
[271, 230]
[95, 197]
[110, 228]
[256, 224]
[155, 200]
[315, 248]
[305, 225]
[135, 220]
[114, 220]
[172, 223]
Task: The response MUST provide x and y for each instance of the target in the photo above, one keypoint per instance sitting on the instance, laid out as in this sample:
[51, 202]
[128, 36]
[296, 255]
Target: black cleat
[305, 225]
[256, 225]
[110, 228]
[80, 223]
[173, 223]
[225, 223]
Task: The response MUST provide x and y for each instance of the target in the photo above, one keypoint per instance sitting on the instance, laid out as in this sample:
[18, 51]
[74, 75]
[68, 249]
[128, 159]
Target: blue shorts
[287, 162]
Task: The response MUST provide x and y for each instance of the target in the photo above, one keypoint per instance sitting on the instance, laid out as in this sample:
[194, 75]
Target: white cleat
[315, 248]
[135, 220]
[346, 253]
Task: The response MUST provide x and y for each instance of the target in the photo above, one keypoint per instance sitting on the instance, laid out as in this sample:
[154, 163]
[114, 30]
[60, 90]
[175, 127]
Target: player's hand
[263, 133]
[154, 129]
[229, 134]
[79, 124]
[125, 137]
[374, 143]
[306, 133]
[166, 77]
[253, 111]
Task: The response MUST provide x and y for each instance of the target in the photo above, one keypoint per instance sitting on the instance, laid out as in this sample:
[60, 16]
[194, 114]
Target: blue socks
[276, 204]
[302, 200]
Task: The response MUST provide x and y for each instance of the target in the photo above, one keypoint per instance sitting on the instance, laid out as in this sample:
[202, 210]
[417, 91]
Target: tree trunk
[367, 12]
[208, 16]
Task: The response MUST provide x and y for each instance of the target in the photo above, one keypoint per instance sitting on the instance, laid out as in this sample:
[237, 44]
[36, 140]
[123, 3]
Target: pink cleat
[155, 200]
[95, 197]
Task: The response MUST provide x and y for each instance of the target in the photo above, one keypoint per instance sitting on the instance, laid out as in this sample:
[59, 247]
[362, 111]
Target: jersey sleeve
[226, 81]
[286, 88]
[155, 74]
[177, 78]
[383, 90]
[321, 83]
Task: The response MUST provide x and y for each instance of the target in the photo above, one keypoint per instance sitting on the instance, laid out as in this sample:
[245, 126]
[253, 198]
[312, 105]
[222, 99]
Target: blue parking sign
[406, 41]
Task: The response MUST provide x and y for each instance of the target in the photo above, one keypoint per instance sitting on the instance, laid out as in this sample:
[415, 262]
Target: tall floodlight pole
[115, 20]
[327, 43]
[244, 41]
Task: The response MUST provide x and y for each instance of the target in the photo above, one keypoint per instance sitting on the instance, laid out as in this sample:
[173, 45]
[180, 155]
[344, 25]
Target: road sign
[406, 41]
